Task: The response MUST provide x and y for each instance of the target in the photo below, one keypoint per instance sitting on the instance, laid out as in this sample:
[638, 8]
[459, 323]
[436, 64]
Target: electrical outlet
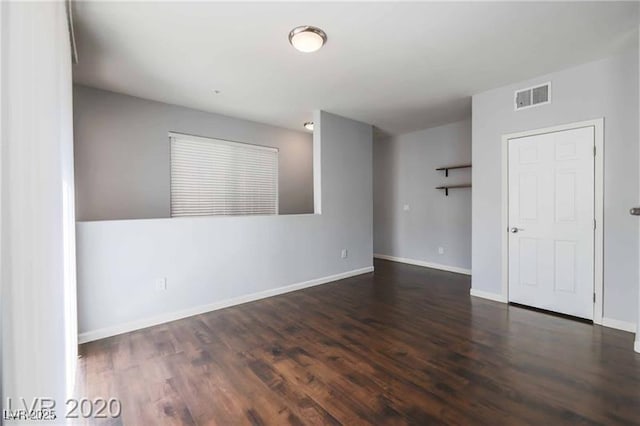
[440, 250]
[161, 284]
[406, 207]
[344, 253]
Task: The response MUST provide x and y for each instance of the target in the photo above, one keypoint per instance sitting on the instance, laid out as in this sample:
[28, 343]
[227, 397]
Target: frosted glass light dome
[307, 39]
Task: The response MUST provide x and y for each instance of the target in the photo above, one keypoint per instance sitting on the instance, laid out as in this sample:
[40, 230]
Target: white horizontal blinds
[216, 177]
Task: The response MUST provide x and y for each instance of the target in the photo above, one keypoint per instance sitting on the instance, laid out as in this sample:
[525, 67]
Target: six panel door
[551, 221]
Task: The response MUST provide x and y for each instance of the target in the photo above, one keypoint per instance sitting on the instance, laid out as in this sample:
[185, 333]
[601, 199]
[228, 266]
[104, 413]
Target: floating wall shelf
[446, 174]
[447, 188]
[446, 169]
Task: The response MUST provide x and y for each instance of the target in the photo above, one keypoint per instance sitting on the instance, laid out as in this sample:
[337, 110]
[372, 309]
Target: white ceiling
[398, 66]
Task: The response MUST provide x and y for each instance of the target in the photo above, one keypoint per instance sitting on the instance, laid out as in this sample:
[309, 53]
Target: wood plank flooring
[403, 345]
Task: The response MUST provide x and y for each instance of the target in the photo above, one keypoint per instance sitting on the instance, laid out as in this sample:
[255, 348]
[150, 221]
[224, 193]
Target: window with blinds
[217, 177]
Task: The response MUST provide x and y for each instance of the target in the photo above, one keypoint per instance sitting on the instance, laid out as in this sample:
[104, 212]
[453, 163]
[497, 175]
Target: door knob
[515, 230]
[635, 211]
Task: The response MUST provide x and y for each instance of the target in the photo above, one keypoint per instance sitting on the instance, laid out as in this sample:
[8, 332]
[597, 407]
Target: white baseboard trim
[423, 263]
[620, 325]
[636, 346]
[606, 322]
[89, 336]
[486, 295]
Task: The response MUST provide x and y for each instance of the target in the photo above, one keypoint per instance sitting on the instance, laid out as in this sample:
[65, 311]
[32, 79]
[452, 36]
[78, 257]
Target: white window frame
[186, 136]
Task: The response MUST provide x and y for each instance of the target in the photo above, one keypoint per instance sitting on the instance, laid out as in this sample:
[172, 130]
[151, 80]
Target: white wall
[607, 88]
[404, 174]
[213, 261]
[122, 154]
[37, 213]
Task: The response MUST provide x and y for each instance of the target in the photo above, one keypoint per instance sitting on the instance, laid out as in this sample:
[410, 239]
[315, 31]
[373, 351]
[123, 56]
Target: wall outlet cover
[440, 250]
[161, 284]
[344, 253]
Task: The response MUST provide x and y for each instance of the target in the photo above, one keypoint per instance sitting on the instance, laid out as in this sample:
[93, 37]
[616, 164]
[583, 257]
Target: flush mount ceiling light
[307, 38]
[308, 125]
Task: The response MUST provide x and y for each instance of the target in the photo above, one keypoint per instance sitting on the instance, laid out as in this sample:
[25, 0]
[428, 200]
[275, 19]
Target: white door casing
[552, 196]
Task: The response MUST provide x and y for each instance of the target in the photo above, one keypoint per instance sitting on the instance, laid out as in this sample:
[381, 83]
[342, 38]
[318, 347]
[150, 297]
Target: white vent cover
[533, 96]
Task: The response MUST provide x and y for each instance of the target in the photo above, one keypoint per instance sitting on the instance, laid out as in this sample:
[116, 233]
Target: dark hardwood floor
[403, 345]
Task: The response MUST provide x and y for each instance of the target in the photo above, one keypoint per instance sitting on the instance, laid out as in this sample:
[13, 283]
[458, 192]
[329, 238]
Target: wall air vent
[533, 96]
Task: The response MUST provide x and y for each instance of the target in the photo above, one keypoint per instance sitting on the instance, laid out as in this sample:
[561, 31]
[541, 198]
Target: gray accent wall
[211, 262]
[122, 154]
[405, 175]
[607, 88]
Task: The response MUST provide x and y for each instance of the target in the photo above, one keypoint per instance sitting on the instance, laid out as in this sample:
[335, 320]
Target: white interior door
[551, 221]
